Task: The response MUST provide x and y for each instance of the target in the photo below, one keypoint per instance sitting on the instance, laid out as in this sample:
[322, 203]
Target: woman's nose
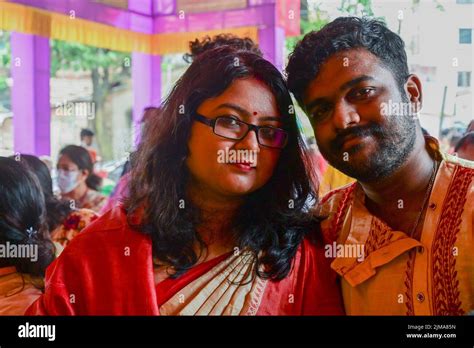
[250, 141]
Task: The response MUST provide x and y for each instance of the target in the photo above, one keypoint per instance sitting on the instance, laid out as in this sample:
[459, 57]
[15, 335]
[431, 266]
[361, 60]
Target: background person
[465, 147]
[23, 222]
[64, 222]
[76, 179]
[87, 138]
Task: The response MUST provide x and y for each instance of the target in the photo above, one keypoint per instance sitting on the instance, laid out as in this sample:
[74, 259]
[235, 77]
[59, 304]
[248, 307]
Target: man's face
[87, 139]
[359, 116]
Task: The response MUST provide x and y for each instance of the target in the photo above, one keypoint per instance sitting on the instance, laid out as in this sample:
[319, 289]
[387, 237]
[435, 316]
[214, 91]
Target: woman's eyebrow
[235, 107]
[270, 118]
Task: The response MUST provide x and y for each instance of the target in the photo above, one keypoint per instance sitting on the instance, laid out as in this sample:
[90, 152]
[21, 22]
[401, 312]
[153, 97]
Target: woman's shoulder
[93, 194]
[94, 200]
[312, 247]
[107, 245]
[97, 262]
[79, 219]
[311, 258]
[309, 289]
[107, 232]
[17, 292]
[72, 225]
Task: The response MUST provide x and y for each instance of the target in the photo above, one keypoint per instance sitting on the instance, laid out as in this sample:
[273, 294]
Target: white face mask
[67, 180]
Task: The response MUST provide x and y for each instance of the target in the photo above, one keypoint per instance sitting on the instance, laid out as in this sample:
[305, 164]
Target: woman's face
[234, 167]
[70, 177]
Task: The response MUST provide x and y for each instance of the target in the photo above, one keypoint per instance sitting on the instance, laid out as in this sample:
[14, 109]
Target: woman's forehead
[65, 160]
[251, 96]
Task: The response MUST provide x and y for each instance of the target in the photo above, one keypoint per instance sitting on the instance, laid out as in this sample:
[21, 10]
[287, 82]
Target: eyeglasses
[235, 129]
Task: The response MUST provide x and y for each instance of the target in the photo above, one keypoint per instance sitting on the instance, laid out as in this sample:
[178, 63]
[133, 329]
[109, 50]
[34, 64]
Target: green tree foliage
[311, 18]
[357, 8]
[108, 69]
[4, 59]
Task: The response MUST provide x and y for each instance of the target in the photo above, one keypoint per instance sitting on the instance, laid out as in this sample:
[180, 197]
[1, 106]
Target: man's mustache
[355, 131]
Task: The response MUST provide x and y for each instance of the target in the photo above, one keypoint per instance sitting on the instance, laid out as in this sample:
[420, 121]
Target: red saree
[108, 270]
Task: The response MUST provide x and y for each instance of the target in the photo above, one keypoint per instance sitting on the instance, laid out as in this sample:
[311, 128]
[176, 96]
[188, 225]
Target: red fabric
[93, 154]
[311, 288]
[108, 270]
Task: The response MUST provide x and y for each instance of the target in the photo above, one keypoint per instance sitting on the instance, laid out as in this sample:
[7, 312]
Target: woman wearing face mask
[76, 179]
[64, 222]
[204, 231]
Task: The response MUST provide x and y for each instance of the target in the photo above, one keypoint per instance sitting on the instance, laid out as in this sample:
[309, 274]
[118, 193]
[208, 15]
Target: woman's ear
[84, 174]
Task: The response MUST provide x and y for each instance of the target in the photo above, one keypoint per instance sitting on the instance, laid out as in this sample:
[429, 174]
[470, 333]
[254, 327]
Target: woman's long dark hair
[271, 223]
[56, 210]
[81, 157]
[23, 216]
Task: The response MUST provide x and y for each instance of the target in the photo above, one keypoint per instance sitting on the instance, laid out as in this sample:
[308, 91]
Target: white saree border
[229, 288]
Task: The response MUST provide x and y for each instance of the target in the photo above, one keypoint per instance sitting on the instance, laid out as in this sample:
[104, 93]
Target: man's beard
[395, 141]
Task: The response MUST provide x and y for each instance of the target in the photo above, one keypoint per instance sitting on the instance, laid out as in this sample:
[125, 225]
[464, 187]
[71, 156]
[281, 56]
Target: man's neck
[399, 198]
[410, 179]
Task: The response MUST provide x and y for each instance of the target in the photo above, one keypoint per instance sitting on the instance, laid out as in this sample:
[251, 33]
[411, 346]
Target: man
[87, 137]
[411, 209]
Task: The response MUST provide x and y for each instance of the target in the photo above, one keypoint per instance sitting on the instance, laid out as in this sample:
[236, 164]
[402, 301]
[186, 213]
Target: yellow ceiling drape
[30, 20]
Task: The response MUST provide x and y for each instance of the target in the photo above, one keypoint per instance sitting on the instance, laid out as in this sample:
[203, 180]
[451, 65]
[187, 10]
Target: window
[465, 36]
[464, 79]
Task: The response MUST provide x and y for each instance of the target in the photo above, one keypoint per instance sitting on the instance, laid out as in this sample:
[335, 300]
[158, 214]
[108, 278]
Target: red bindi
[255, 113]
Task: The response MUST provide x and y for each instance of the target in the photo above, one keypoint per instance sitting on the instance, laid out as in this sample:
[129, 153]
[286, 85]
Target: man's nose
[345, 114]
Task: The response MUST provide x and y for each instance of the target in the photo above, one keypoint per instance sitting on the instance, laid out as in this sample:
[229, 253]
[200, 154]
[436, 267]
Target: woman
[64, 222]
[25, 247]
[76, 179]
[203, 232]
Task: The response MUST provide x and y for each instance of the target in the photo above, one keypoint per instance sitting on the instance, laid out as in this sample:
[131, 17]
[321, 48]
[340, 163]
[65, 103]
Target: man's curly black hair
[345, 33]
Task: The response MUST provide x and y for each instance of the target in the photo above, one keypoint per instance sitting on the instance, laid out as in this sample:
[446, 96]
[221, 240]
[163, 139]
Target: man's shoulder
[460, 175]
[334, 199]
[332, 208]
[457, 161]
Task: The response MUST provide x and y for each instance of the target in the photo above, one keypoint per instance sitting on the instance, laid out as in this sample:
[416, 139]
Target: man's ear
[414, 91]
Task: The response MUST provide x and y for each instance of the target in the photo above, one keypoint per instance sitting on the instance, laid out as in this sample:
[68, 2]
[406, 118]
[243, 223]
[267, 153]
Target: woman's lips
[244, 166]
